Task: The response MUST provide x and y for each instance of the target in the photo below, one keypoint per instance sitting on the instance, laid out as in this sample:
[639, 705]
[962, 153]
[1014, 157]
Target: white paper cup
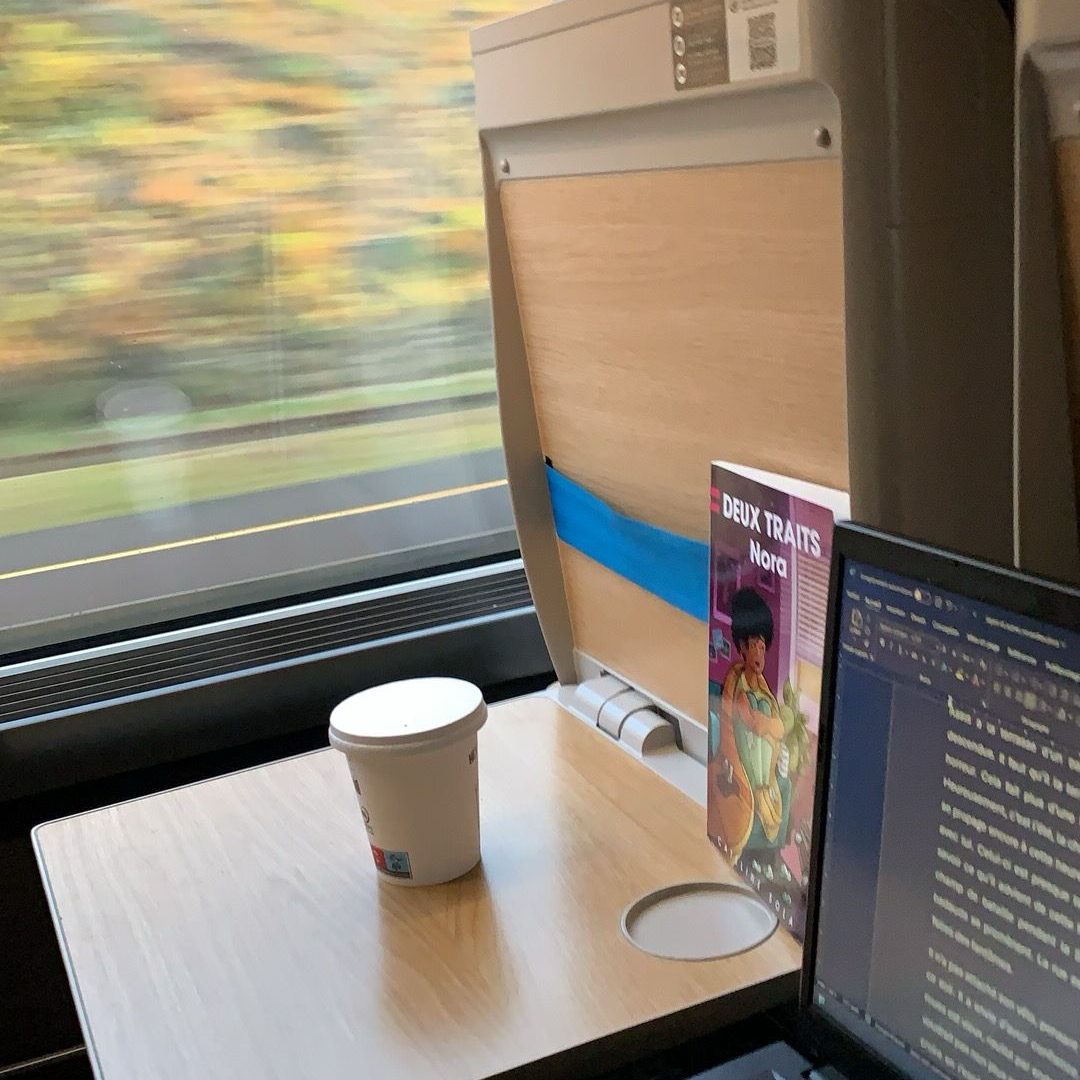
[411, 749]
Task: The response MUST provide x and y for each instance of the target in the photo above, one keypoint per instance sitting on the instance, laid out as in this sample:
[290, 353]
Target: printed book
[771, 546]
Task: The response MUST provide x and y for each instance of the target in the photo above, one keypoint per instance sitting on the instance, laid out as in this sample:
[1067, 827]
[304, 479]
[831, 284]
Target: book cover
[771, 548]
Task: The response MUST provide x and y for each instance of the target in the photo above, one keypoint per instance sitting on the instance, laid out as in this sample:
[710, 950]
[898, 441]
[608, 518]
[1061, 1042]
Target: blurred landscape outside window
[244, 322]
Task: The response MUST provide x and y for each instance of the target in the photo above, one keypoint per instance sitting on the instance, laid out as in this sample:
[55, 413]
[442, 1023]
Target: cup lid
[410, 712]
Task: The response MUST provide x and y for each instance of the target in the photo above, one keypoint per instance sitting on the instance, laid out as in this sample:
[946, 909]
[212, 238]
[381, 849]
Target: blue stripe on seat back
[669, 566]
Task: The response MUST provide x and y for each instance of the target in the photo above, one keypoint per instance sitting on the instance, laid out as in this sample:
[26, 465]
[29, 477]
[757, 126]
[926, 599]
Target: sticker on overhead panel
[719, 41]
[762, 38]
[699, 54]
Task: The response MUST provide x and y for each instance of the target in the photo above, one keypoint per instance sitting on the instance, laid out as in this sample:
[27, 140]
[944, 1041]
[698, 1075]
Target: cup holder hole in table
[699, 920]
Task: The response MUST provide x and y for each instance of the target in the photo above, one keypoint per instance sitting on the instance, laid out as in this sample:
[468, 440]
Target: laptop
[943, 934]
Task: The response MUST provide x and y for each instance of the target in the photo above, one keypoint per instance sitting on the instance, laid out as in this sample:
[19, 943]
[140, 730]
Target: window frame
[274, 698]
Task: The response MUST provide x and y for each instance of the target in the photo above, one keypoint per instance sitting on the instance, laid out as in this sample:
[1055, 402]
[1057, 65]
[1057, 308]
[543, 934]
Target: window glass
[244, 326]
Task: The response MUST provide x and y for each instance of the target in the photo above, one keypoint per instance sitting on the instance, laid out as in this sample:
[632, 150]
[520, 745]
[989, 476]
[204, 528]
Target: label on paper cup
[394, 863]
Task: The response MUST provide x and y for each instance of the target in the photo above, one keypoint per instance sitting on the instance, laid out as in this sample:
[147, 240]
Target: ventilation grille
[274, 640]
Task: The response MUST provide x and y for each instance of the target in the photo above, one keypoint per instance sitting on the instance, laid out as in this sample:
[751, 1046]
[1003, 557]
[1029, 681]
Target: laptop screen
[948, 933]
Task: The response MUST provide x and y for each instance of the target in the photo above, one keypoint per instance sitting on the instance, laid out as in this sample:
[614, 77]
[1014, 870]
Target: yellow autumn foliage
[199, 186]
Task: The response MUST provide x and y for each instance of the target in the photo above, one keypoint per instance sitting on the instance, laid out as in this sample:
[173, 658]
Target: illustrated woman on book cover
[753, 800]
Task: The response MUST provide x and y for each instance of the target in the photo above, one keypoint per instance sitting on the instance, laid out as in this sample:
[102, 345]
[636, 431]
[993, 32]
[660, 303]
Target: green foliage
[121, 487]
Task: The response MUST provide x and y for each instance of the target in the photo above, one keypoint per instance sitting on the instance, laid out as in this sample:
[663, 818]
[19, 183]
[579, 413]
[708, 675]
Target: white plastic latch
[592, 695]
[646, 731]
[616, 710]
[624, 714]
[643, 727]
